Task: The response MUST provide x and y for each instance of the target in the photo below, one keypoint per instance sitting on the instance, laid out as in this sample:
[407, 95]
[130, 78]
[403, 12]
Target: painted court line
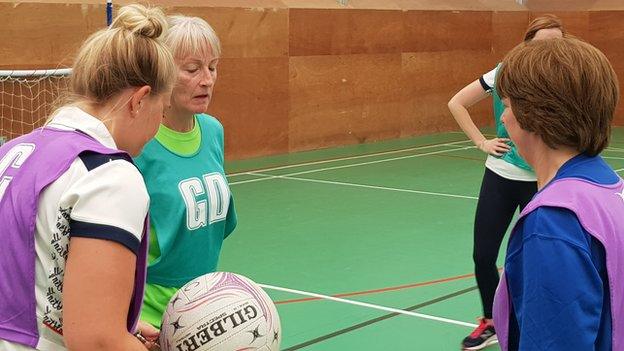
[453, 143]
[484, 134]
[613, 158]
[614, 149]
[381, 290]
[367, 186]
[369, 305]
[347, 166]
[369, 322]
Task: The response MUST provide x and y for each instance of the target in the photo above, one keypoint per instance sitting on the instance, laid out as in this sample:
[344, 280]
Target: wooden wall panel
[575, 22]
[461, 5]
[36, 36]
[429, 81]
[248, 4]
[305, 74]
[246, 32]
[340, 32]
[335, 5]
[509, 27]
[251, 101]
[336, 100]
[508, 30]
[607, 5]
[165, 3]
[607, 34]
[447, 30]
[558, 5]
[45, 35]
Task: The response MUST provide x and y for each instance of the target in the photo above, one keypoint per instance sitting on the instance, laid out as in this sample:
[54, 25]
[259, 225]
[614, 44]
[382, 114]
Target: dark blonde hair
[543, 22]
[564, 90]
[130, 53]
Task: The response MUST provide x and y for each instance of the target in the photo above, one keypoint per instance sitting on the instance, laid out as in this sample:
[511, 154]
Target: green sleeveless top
[512, 155]
[191, 207]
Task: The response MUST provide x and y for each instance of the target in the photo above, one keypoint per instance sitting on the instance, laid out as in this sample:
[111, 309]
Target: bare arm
[98, 287]
[459, 104]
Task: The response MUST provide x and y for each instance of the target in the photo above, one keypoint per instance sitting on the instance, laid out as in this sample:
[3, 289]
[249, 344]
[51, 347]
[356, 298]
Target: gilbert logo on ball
[220, 312]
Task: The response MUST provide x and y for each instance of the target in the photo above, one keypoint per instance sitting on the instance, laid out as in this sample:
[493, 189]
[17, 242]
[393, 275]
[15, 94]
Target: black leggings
[498, 200]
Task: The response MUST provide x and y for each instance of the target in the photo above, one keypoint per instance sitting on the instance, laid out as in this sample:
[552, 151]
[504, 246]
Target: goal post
[27, 97]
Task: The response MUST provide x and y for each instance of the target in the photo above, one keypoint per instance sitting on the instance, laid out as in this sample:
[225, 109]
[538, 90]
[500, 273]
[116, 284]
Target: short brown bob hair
[543, 22]
[564, 90]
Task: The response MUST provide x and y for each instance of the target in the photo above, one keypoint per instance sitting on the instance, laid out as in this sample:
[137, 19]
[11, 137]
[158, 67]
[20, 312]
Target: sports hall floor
[387, 226]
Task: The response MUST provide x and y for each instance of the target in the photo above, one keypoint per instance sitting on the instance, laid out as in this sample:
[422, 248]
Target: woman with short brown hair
[563, 283]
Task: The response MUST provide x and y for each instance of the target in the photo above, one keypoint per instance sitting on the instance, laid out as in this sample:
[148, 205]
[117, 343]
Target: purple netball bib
[600, 210]
[28, 165]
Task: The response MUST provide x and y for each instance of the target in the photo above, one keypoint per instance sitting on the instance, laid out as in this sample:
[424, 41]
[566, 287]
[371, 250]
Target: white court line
[370, 186]
[348, 158]
[487, 135]
[347, 166]
[612, 157]
[619, 170]
[369, 305]
[614, 149]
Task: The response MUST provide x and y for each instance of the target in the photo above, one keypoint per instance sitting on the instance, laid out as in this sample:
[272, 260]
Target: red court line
[392, 288]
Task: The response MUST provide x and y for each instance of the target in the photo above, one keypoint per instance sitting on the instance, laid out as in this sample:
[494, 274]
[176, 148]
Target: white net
[27, 98]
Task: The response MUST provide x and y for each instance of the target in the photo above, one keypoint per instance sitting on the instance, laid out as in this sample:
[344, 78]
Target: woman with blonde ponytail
[73, 206]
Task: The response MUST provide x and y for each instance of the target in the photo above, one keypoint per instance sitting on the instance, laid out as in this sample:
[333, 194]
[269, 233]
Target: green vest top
[512, 156]
[191, 207]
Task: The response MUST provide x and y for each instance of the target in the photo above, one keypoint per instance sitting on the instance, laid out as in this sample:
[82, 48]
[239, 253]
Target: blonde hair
[564, 90]
[190, 36]
[129, 53]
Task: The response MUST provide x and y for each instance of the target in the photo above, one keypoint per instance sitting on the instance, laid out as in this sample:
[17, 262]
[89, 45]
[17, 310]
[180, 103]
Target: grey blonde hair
[190, 36]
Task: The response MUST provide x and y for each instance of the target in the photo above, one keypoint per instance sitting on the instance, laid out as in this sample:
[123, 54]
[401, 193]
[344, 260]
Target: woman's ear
[137, 98]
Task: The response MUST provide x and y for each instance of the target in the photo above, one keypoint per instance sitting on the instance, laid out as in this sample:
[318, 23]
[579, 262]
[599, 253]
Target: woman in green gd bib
[191, 207]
